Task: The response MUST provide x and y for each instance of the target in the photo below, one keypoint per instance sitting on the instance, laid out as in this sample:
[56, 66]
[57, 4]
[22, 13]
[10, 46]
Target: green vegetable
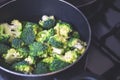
[55, 41]
[3, 35]
[17, 43]
[58, 64]
[38, 49]
[76, 43]
[41, 68]
[36, 28]
[12, 31]
[63, 29]
[31, 60]
[48, 60]
[4, 38]
[3, 48]
[24, 51]
[28, 35]
[11, 56]
[71, 56]
[57, 50]
[75, 34]
[33, 48]
[44, 35]
[47, 22]
[17, 25]
[23, 67]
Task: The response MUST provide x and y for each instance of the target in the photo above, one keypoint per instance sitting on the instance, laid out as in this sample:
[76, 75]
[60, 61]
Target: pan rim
[58, 71]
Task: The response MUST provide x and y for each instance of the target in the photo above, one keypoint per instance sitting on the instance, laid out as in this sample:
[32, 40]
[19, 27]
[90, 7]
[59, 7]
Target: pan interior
[29, 10]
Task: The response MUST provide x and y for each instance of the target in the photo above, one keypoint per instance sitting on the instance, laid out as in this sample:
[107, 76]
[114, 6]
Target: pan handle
[5, 2]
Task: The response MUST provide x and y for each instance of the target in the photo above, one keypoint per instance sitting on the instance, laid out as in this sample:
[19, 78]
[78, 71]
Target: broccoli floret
[51, 32]
[5, 29]
[80, 52]
[13, 55]
[24, 51]
[36, 28]
[17, 25]
[44, 35]
[48, 60]
[57, 64]
[1, 29]
[63, 29]
[3, 36]
[38, 49]
[75, 34]
[3, 48]
[56, 41]
[23, 67]
[14, 30]
[28, 35]
[76, 43]
[41, 68]
[71, 56]
[57, 50]
[17, 43]
[47, 22]
[31, 60]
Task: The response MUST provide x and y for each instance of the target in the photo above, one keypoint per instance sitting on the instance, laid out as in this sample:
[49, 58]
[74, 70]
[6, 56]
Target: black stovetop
[103, 56]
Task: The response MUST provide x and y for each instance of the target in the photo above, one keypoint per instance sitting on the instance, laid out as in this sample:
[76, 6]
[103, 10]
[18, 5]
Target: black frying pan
[32, 10]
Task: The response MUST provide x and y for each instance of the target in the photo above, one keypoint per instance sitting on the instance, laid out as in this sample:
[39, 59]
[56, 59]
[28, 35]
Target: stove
[103, 59]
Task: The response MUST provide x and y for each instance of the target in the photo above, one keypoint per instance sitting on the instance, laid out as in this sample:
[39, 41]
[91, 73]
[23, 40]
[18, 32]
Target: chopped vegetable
[22, 67]
[38, 49]
[32, 48]
[41, 68]
[28, 35]
[58, 64]
[17, 43]
[3, 48]
[47, 22]
[63, 29]
[30, 59]
[12, 31]
[12, 56]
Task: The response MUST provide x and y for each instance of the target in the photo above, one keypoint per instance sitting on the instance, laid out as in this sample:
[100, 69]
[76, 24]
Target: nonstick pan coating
[33, 10]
